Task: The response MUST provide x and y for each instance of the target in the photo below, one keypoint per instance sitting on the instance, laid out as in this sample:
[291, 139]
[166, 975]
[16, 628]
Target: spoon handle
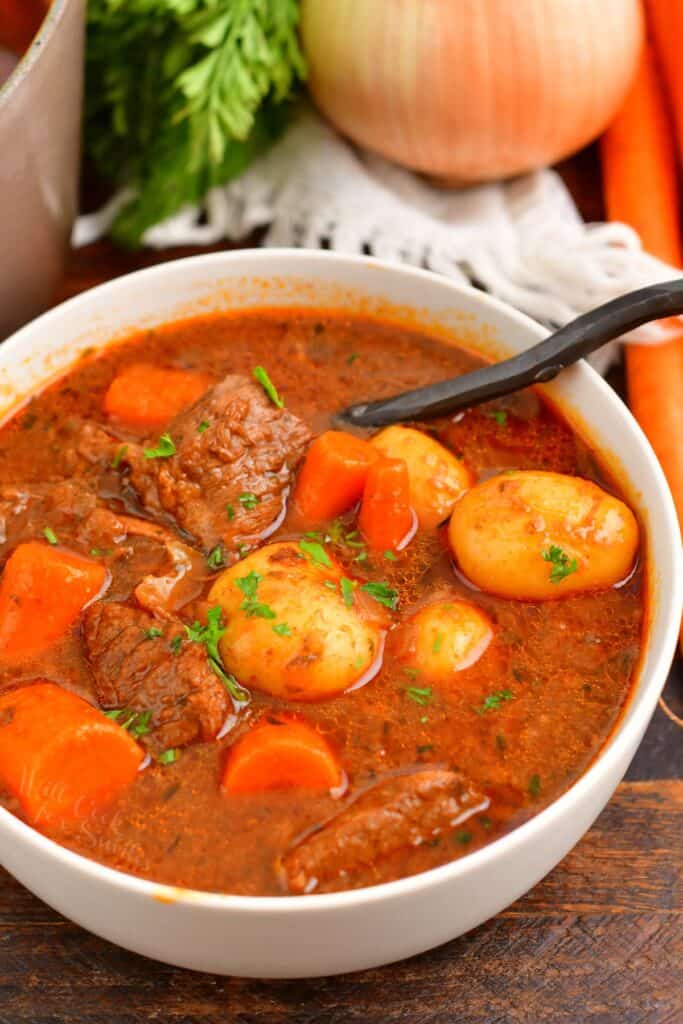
[536, 365]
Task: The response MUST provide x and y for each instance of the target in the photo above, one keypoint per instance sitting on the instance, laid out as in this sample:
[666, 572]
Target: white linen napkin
[521, 240]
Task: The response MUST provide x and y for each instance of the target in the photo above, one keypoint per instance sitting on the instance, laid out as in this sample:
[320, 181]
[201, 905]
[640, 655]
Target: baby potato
[291, 632]
[534, 535]
[444, 638]
[437, 477]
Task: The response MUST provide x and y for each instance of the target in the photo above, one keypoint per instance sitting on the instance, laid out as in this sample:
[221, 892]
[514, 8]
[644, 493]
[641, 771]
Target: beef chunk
[392, 816]
[187, 700]
[248, 448]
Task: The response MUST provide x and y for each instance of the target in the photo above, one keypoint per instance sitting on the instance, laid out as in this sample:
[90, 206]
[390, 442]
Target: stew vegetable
[244, 650]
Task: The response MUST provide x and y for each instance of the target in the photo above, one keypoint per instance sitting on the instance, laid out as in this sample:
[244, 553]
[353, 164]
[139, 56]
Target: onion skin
[471, 90]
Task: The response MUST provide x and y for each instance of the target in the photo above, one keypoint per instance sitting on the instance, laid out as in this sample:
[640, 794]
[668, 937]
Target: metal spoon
[536, 365]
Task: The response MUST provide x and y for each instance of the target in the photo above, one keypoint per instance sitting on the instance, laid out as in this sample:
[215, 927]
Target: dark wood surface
[600, 940]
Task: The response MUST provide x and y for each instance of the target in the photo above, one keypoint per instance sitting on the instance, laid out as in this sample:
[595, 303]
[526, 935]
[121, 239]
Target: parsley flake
[50, 535]
[347, 586]
[153, 633]
[134, 722]
[494, 700]
[382, 593]
[169, 756]
[438, 640]
[163, 450]
[118, 458]
[230, 511]
[421, 695]
[248, 500]
[176, 644]
[261, 375]
[390, 556]
[534, 787]
[315, 552]
[204, 425]
[215, 559]
[209, 635]
[562, 564]
[499, 415]
[282, 629]
[253, 608]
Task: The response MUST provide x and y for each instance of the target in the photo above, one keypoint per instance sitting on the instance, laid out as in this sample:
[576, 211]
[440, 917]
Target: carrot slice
[42, 591]
[386, 518]
[281, 753]
[60, 757]
[641, 188]
[148, 396]
[333, 475]
[665, 21]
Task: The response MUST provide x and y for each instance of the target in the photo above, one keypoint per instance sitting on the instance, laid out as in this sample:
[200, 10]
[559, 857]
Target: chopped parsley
[499, 415]
[169, 756]
[438, 640]
[153, 633]
[230, 511]
[425, 748]
[412, 673]
[134, 722]
[421, 695]
[315, 552]
[209, 635]
[350, 360]
[118, 458]
[248, 500]
[534, 787]
[494, 701]
[463, 837]
[253, 608]
[562, 564]
[163, 450]
[242, 550]
[390, 556]
[100, 552]
[261, 375]
[215, 559]
[176, 644]
[346, 586]
[282, 629]
[50, 535]
[204, 425]
[382, 593]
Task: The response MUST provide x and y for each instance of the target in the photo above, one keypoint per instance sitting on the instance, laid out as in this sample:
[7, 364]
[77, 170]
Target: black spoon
[536, 365]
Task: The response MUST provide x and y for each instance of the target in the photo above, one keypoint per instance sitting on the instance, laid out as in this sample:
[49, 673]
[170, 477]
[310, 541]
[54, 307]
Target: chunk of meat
[228, 481]
[138, 670]
[392, 816]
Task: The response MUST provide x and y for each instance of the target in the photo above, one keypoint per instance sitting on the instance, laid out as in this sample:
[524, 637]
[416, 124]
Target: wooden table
[600, 940]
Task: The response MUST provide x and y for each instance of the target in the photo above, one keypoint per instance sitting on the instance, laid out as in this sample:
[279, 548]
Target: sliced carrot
[281, 753]
[148, 396]
[333, 475]
[60, 757]
[641, 188]
[42, 591]
[386, 518]
[665, 22]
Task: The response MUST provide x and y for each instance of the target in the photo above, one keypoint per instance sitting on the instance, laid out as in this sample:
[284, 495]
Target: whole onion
[471, 90]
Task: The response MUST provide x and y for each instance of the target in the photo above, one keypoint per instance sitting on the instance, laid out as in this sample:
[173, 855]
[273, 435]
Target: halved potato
[444, 638]
[535, 535]
[298, 636]
[437, 477]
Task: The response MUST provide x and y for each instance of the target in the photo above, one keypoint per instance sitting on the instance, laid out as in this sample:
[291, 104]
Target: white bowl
[327, 934]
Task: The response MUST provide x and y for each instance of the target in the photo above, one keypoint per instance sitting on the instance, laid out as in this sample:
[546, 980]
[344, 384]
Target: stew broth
[522, 723]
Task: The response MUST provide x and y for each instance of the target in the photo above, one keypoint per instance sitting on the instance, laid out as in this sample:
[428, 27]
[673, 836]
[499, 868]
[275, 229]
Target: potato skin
[437, 477]
[443, 638]
[331, 646]
[501, 528]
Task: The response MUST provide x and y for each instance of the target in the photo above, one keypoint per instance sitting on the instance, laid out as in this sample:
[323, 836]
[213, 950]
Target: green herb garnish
[438, 640]
[494, 700]
[382, 593]
[118, 458]
[204, 425]
[176, 644]
[215, 559]
[350, 360]
[463, 837]
[562, 564]
[230, 511]
[266, 383]
[50, 535]
[163, 450]
[209, 635]
[390, 556]
[253, 608]
[134, 722]
[248, 500]
[315, 552]
[153, 633]
[534, 787]
[419, 694]
[499, 415]
[347, 586]
[282, 629]
[169, 756]
[100, 552]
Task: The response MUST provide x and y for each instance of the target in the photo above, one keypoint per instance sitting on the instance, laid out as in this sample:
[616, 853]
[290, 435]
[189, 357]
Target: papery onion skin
[471, 90]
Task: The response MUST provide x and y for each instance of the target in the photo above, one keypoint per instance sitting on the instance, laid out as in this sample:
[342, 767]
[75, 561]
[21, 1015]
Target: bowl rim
[617, 746]
[46, 30]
